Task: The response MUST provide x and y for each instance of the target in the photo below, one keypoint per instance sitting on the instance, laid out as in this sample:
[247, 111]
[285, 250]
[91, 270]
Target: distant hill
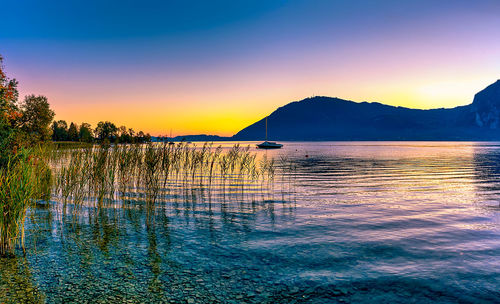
[201, 137]
[326, 118]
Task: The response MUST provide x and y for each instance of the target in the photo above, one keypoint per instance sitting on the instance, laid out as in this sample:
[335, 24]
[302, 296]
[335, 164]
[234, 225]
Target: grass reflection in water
[139, 223]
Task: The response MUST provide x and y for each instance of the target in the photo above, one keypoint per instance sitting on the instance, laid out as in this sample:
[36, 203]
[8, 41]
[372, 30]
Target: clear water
[384, 222]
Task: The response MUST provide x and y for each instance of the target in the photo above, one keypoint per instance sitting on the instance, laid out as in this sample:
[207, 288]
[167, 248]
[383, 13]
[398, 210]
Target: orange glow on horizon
[224, 116]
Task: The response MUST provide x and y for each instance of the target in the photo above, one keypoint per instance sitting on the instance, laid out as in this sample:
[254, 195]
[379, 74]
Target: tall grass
[105, 171]
[98, 174]
[25, 178]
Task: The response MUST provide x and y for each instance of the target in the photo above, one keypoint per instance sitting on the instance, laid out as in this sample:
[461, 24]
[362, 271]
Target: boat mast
[266, 128]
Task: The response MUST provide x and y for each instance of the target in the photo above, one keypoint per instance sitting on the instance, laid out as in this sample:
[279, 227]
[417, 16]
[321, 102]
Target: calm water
[349, 222]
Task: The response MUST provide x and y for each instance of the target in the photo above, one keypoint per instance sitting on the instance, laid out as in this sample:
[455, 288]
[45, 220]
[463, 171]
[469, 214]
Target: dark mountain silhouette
[200, 137]
[326, 118]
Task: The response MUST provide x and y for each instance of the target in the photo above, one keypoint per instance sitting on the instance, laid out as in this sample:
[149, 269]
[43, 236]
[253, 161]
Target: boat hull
[269, 145]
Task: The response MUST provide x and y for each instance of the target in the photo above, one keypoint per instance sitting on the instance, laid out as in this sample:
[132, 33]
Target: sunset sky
[215, 67]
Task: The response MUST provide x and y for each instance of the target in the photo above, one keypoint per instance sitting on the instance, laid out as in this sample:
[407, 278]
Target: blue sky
[228, 63]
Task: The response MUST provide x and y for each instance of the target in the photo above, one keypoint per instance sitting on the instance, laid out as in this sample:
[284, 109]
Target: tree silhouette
[36, 117]
[106, 130]
[85, 134]
[73, 132]
[59, 130]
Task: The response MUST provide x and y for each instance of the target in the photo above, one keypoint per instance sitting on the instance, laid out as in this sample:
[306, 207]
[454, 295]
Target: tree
[124, 136]
[10, 136]
[36, 117]
[106, 130]
[59, 130]
[8, 97]
[73, 132]
[131, 133]
[86, 133]
[140, 137]
[147, 137]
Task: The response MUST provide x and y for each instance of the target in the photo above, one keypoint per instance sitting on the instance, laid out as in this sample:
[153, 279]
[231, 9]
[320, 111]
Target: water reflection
[487, 171]
[357, 222]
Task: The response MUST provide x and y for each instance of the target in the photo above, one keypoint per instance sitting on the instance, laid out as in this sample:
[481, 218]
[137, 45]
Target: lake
[361, 222]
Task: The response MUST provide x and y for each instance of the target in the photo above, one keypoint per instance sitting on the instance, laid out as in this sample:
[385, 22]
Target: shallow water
[361, 222]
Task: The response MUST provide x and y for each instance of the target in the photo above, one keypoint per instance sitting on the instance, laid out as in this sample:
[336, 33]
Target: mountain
[200, 137]
[326, 118]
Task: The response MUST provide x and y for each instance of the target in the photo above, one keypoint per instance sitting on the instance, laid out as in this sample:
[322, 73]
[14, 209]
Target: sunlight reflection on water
[356, 222]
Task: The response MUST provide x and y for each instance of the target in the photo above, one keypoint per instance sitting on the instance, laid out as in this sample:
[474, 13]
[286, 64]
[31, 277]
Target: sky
[214, 67]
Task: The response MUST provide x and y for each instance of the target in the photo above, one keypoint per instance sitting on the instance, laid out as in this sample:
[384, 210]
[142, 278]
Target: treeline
[26, 123]
[25, 175]
[105, 131]
[22, 124]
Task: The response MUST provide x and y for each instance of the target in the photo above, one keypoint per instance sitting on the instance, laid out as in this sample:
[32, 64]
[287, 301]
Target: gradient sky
[216, 66]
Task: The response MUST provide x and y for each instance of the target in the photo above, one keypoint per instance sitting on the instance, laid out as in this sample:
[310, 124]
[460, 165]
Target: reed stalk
[19, 188]
[153, 168]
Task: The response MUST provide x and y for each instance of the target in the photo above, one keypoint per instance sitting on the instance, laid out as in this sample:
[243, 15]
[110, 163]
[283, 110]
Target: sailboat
[269, 144]
[170, 141]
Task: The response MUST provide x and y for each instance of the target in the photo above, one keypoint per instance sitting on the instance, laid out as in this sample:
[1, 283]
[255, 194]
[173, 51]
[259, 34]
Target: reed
[126, 161]
[24, 179]
[153, 168]
[152, 164]
[93, 175]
